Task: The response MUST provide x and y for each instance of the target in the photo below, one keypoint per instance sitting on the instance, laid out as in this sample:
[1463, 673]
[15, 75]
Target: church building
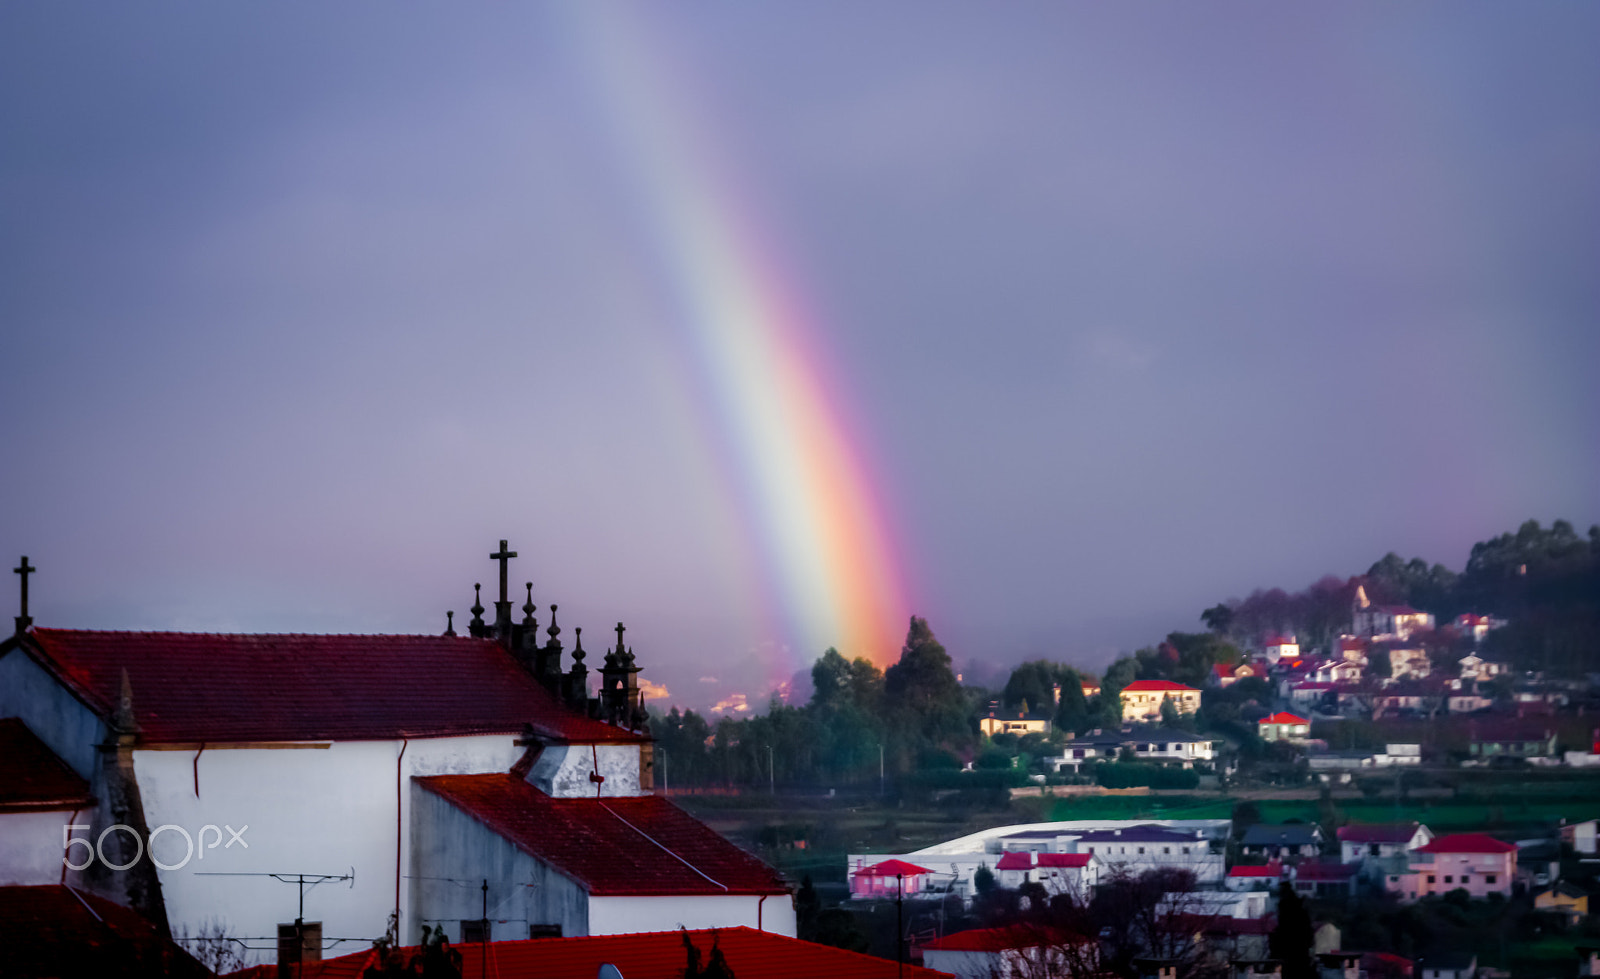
[329, 790]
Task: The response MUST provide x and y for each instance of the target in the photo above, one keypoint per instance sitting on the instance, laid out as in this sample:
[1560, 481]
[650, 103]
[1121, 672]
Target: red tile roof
[1073, 860]
[1148, 686]
[32, 777]
[1378, 833]
[1015, 861]
[1004, 938]
[59, 931]
[1467, 843]
[198, 687]
[891, 868]
[629, 845]
[1280, 641]
[1327, 872]
[1283, 717]
[750, 954]
[1268, 870]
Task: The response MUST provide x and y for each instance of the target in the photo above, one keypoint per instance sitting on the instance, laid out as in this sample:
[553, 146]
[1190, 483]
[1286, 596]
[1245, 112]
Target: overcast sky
[1133, 308]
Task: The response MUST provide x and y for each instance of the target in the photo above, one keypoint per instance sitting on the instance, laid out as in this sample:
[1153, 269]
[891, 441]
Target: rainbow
[805, 488]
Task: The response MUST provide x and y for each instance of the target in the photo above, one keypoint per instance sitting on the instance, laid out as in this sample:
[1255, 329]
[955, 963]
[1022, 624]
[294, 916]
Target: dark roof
[750, 954]
[1314, 871]
[199, 687]
[1378, 833]
[638, 845]
[32, 777]
[1144, 833]
[1288, 834]
[60, 931]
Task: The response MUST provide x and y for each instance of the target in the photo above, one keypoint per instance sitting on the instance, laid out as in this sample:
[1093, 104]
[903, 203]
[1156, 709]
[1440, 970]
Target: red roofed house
[1479, 864]
[1257, 877]
[888, 879]
[747, 953]
[1280, 647]
[1142, 699]
[387, 760]
[1397, 621]
[1013, 950]
[1283, 726]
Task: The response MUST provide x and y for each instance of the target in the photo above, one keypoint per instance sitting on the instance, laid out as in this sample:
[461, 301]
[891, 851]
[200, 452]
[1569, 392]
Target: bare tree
[211, 946]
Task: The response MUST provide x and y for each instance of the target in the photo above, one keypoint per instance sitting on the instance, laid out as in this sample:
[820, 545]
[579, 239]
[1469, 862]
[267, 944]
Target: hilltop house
[1283, 726]
[1385, 621]
[1277, 842]
[1013, 722]
[1142, 699]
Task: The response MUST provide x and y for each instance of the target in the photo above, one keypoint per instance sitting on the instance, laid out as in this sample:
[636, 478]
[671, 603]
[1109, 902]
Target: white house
[1277, 648]
[372, 763]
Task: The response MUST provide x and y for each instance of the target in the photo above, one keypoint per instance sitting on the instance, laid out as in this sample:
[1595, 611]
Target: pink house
[1479, 864]
[887, 879]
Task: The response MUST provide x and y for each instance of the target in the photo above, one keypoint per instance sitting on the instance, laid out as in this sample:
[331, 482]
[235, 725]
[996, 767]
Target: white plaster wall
[50, 711]
[31, 847]
[626, 915]
[562, 771]
[313, 810]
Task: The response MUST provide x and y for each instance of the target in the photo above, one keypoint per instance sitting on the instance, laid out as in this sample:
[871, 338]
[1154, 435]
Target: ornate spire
[577, 650]
[554, 629]
[450, 623]
[476, 625]
[528, 608]
[123, 722]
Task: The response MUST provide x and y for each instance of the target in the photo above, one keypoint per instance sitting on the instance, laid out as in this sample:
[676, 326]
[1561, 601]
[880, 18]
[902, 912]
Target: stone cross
[23, 620]
[504, 556]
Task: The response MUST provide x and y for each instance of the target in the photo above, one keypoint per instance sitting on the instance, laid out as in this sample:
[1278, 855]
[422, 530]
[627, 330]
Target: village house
[1142, 699]
[1512, 738]
[1019, 950]
[889, 879]
[1283, 726]
[1380, 841]
[1156, 744]
[1278, 648]
[1408, 662]
[1325, 880]
[1384, 621]
[1013, 722]
[1481, 865]
[1564, 899]
[1254, 877]
[1279, 842]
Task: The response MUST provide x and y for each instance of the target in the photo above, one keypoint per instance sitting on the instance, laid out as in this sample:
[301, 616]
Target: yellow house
[1141, 699]
[1011, 722]
[1563, 899]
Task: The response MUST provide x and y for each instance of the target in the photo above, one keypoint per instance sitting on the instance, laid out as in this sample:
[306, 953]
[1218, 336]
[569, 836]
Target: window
[1490, 878]
[1449, 879]
[1466, 878]
[1141, 849]
[1432, 879]
[1166, 849]
[473, 932]
[544, 931]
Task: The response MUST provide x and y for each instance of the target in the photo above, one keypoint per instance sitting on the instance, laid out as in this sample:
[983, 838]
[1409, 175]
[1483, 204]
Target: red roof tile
[1148, 686]
[1073, 860]
[59, 931]
[1267, 870]
[1015, 861]
[1004, 938]
[1378, 833]
[32, 777]
[1467, 843]
[750, 954]
[1326, 872]
[1279, 641]
[1283, 717]
[198, 687]
[634, 845]
[891, 868]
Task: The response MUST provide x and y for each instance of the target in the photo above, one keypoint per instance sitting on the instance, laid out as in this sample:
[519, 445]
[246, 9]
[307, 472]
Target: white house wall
[562, 771]
[624, 915]
[31, 847]
[453, 853]
[328, 809]
[59, 719]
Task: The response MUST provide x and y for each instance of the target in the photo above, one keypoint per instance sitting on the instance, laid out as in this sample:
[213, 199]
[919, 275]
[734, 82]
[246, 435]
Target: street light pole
[899, 924]
[772, 777]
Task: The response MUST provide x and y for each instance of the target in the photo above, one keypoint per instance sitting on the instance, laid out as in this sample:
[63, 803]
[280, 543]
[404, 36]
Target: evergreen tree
[1291, 940]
